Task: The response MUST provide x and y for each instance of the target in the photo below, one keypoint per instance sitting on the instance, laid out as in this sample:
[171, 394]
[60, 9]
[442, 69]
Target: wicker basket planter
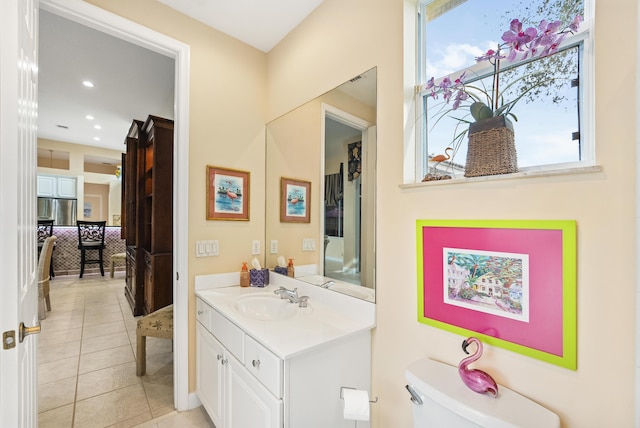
[491, 148]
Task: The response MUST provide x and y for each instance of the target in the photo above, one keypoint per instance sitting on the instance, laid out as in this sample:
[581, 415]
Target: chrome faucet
[292, 295]
[327, 284]
[285, 293]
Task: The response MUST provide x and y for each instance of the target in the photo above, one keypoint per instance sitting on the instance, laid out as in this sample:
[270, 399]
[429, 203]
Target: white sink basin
[265, 307]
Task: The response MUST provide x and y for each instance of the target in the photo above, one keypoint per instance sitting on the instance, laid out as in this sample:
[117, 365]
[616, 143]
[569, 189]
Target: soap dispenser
[244, 275]
[290, 271]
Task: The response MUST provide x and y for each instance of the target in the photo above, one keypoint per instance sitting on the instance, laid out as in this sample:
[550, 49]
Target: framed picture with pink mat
[511, 283]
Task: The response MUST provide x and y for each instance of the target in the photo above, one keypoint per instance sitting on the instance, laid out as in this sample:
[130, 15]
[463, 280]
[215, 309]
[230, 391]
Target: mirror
[325, 149]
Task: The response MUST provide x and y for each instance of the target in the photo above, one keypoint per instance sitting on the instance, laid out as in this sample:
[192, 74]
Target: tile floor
[86, 363]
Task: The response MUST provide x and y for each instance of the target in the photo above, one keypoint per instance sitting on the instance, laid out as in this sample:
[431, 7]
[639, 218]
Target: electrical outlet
[274, 246]
[255, 247]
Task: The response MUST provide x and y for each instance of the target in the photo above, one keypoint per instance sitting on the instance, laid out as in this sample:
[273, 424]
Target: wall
[227, 101]
[343, 38]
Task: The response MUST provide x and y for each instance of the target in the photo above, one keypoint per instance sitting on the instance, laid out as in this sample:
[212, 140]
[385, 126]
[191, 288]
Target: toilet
[441, 399]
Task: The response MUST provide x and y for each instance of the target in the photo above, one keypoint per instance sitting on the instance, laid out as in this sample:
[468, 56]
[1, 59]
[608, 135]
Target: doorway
[128, 31]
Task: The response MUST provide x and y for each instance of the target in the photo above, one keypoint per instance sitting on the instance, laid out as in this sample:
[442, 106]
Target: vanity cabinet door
[210, 374]
[264, 365]
[249, 403]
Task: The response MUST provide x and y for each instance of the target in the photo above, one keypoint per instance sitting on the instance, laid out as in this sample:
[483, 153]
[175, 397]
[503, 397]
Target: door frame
[117, 26]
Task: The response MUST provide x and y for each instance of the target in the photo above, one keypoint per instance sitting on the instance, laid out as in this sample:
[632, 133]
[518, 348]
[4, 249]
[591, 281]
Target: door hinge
[575, 82]
[9, 339]
[575, 136]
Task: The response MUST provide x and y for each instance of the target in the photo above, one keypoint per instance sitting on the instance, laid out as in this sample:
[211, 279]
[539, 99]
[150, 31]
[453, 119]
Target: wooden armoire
[148, 214]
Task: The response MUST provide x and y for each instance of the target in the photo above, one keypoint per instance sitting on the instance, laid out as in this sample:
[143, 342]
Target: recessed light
[97, 127]
[88, 84]
[96, 138]
[89, 117]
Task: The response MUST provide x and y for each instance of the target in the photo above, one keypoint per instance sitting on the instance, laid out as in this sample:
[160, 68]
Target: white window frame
[583, 38]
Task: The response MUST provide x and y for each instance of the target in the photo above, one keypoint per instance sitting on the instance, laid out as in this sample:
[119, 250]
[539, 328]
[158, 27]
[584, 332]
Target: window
[548, 119]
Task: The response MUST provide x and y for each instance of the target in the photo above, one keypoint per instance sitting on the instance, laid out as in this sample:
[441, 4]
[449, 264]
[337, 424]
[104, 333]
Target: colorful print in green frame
[511, 283]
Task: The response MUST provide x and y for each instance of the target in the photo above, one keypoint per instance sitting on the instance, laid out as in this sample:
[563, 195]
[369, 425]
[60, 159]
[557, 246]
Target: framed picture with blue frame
[295, 201]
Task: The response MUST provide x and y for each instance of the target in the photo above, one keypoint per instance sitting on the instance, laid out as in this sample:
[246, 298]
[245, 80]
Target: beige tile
[56, 370]
[61, 305]
[101, 309]
[159, 365]
[107, 358]
[92, 318]
[110, 408]
[159, 390]
[106, 380]
[131, 323]
[58, 351]
[74, 320]
[156, 346]
[134, 422]
[103, 329]
[61, 417]
[100, 343]
[161, 411]
[62, 336]
[194, 418]
[56, 394]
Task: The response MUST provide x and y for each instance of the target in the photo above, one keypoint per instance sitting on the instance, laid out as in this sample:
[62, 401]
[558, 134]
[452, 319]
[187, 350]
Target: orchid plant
[540, 41]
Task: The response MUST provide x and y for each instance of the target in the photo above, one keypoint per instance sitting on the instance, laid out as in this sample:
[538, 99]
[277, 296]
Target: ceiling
[132, 82]
[259, 23]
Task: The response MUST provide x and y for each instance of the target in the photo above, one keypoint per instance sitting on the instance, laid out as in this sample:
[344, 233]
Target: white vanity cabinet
[232, 396]
[242, 383]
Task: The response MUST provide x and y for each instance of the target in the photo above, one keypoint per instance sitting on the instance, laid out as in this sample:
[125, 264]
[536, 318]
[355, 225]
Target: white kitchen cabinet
[67, 187]
[53, 186]
[46, 186]
[241, 383]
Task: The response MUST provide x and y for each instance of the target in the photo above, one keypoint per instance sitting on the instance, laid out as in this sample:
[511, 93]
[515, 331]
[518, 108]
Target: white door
[18, 291]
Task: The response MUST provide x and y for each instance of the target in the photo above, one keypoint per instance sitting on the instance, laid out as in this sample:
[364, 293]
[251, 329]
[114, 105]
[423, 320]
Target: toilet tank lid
[441, 383]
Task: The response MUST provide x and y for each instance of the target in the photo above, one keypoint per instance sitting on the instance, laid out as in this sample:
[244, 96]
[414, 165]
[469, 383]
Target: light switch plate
[274, 246]
[255, 247]
[308, 244]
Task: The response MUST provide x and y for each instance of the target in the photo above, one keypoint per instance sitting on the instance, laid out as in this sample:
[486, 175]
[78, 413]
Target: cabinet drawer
[203, 314]
[228, 334]
[264, 365]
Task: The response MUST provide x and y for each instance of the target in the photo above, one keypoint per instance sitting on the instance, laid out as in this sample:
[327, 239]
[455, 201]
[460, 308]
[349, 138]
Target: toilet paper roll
[356, 404]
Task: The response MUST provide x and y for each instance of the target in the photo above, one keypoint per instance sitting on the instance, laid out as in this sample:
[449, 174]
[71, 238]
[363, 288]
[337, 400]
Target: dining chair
[44, 262]
[45, 230]
[91, 238]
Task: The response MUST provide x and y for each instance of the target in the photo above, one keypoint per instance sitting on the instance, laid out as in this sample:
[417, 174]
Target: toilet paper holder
[347, 387]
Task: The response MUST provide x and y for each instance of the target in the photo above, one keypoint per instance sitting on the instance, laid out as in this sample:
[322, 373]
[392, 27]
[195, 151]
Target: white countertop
[330, 316]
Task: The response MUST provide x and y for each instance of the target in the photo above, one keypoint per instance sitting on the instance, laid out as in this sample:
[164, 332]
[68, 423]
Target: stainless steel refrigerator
[63, 212]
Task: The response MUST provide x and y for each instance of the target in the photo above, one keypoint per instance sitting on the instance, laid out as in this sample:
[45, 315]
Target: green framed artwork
[511, 283]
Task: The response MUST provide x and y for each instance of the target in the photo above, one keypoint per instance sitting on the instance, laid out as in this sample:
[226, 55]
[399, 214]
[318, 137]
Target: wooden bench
[156, 324]
[116, 258]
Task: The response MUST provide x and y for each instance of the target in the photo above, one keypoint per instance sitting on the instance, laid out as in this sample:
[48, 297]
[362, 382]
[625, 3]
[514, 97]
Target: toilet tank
[448, 402]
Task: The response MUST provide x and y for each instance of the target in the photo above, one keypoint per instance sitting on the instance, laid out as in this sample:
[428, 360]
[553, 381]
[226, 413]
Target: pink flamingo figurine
[477, 380]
